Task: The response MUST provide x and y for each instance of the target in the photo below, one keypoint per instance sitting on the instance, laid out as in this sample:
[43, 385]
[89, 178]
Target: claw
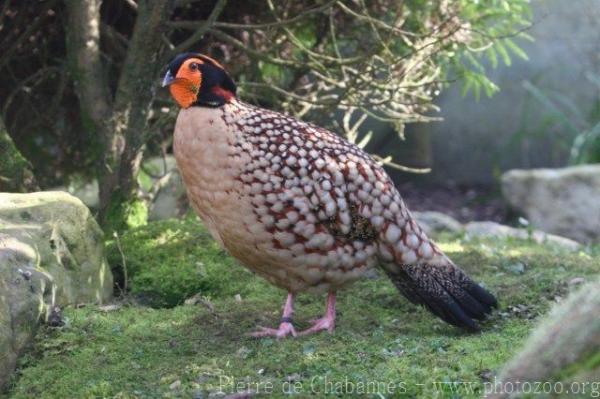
[322, 324]
[285, 329]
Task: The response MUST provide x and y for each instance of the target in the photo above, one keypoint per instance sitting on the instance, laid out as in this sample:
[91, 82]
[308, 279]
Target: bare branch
[202, 29]
[251, 52]
[14, 44]
[387, 161]
[276, 24]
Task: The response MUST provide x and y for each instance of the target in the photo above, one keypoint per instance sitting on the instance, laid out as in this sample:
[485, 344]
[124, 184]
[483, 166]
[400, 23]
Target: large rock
[87, 192]
[166, 192]
[563, 201]
[496, 230]
[25, 292]
[433, 222]
[564, 350]
[160, 186]
[51, 254]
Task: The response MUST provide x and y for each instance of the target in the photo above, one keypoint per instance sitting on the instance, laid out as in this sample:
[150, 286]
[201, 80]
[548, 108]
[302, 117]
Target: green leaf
[582, 150]
[467, 86]
[490, 87]
[271, 73]
[516, 50]
[307, 35]
[546, 102]
[492, 56]
[503, 53]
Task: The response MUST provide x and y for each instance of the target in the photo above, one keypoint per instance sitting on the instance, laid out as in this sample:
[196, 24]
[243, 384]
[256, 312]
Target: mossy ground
[382, 347]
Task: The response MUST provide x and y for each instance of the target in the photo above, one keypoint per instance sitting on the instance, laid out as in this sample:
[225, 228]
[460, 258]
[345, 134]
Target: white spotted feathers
[318, 195]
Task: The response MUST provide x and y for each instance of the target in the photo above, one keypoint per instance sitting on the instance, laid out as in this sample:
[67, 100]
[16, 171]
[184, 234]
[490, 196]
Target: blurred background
[544, 102]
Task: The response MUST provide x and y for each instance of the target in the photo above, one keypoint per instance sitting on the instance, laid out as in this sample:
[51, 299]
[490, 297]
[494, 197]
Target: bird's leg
[285, 328]
[326, 322]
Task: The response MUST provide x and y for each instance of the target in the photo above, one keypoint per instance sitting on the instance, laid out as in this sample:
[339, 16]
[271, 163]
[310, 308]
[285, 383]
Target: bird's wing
[317, 182]
[315, 174]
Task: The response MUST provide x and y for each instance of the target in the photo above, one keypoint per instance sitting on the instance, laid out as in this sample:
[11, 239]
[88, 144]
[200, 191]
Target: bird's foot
[324, 323]
[285, 329]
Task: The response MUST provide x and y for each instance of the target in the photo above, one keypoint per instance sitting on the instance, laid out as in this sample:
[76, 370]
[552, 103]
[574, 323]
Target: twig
[123, 261]
[251, 52]
[299, 17]
[202, 29]
[403, 168]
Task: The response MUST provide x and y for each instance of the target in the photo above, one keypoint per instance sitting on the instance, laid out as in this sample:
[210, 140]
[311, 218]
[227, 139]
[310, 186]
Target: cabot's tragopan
[302, 207]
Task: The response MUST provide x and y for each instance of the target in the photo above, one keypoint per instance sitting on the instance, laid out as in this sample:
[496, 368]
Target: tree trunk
[121, 123]
[135, 93]
[91, 83]
[15, 170]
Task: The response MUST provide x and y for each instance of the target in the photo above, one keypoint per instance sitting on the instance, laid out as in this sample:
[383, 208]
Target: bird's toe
[285, 329]
[322, 324]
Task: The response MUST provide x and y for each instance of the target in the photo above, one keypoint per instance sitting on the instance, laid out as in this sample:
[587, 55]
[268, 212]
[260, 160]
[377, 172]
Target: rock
[493, 229]
[168, 196]
[194, 299]
[64, 240]
[243, 352]
[24, 292]
[560, 201]
[54, 317]
[51, 255]
[436, 222]
[160, 183]
[561, 349]
[576, 281]
[516, 268]
[88, 192]
[110, 308]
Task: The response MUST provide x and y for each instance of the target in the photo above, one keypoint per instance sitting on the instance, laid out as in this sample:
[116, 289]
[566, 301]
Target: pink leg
[326, 322]
[285, 328]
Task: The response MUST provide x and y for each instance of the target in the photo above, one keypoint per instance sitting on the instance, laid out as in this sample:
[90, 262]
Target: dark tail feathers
[445, 290]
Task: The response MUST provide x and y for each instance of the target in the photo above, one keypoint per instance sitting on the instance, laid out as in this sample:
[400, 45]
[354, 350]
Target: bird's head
[197, 80]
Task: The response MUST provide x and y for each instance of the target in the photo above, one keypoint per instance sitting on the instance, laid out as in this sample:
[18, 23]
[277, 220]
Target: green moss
[125, 213]
[169, 261]
[136, 214]
[380, 339]
[15, 170]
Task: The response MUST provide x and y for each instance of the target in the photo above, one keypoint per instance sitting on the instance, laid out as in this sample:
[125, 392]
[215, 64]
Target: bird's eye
[193, 66]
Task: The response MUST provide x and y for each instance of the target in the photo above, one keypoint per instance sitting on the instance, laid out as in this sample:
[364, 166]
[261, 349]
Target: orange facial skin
[186, 85]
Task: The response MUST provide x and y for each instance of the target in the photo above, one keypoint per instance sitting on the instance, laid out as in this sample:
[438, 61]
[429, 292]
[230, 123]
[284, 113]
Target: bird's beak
[168, 79]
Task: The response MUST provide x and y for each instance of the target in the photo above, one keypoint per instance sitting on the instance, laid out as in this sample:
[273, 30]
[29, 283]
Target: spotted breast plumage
[301, 206]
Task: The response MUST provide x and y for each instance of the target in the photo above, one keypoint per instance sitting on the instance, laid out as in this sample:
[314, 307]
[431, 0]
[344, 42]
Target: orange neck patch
[184, 92]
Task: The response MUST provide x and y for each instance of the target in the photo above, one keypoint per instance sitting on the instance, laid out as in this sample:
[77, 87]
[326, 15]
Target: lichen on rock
[51, 254]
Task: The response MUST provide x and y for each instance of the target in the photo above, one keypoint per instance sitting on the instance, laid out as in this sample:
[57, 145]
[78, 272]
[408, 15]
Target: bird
[302, 207]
